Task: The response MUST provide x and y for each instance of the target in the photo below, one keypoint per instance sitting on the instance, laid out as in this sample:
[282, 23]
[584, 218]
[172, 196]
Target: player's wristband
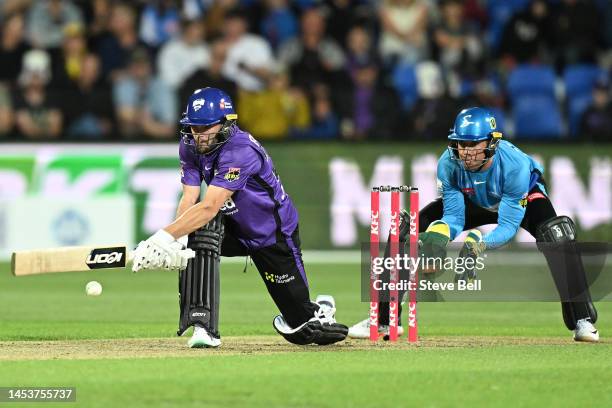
[163, 237]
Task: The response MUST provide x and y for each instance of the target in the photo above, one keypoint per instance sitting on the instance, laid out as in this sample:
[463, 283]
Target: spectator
[279, 24]
[10, 7]
[181, 57]
[144, 105]
[487, 92]
[37, 113]
[579, 32]
[607, 18]
[342, 16]
[458, 46]
[276, 111]
[66, 66]
[87, 104]
[248, 55]
[369, 109]
[596, 123]
[435, 108]
[475, 12]
[12, 48]
[359, 47]
[217, 14]
[119, 43]
[98, 21]
[528, 35]
[312, 58]
[195, 9]
[212, 75]
[6, 111]
[404, 25]
[159, 22]
[324, 121]
[46, 21]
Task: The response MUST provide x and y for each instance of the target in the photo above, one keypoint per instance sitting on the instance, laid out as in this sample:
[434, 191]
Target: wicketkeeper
[486, 180]
[245, 212]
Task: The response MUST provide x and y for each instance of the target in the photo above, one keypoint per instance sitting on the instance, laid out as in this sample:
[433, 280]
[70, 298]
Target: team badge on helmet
[197, 104]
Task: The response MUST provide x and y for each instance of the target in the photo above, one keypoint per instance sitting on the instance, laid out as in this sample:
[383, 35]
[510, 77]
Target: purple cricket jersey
[259, 213]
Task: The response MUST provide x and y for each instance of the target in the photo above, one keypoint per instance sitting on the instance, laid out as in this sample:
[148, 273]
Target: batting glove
[161, 250]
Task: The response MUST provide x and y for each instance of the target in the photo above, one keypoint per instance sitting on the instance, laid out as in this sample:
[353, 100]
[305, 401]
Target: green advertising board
[329, 182]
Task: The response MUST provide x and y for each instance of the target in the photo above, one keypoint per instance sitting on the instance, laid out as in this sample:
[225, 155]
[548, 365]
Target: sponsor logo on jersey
[535, 196]
[232, 174]
[468, 191]
[229, 207]
[284, 278]
[524, 200]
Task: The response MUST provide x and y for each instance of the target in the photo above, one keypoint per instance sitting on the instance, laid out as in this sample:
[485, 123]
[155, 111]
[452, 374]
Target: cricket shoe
[330, 330]
[585, 331]
[201, 338]
[327, 307]
[322, 329]
[361, 330]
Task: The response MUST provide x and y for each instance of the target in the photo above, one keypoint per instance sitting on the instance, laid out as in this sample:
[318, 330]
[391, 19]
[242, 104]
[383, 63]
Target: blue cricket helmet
[208, 106]
[474, 124]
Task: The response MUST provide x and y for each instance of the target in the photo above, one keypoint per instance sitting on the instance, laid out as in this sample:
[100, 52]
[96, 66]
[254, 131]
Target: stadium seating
[500, 12]
[579, 81]
[534, 106]
[405, 83]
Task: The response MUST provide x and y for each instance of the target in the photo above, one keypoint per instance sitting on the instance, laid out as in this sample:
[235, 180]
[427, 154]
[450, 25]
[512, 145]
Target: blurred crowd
[305, 69]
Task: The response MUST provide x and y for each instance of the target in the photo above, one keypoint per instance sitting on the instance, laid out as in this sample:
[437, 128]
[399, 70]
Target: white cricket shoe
[361, 330]
[327, 307]
[201, 338]
[585, 331]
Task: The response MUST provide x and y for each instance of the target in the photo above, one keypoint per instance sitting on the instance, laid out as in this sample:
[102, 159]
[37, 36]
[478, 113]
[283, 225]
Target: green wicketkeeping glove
[433, 243]
[473, 247]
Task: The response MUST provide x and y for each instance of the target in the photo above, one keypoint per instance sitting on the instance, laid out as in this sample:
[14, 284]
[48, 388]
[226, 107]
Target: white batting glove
[177, 260]
[161, 250]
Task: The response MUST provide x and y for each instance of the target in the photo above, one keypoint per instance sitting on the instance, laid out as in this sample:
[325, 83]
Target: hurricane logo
[197, 104]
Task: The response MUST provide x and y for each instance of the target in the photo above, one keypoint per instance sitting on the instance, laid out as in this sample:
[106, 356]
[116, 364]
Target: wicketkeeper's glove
[433, 243]
[473, 247]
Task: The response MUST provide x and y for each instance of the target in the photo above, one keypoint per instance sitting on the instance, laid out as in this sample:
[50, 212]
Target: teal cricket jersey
[501, 188]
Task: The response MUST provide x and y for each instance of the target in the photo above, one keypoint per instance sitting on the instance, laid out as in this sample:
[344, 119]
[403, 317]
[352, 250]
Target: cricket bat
[69, 259]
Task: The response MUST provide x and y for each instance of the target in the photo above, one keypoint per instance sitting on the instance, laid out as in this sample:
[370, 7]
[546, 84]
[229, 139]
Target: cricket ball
[93, 288]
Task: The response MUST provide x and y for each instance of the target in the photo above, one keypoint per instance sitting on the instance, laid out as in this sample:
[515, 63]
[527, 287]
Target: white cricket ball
[93, 288]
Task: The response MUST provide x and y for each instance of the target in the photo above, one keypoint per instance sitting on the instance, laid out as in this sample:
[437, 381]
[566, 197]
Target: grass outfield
[119, 348]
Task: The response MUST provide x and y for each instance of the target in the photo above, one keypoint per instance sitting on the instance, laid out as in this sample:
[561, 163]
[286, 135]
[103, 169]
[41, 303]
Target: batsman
[483, 179]
[244, 212]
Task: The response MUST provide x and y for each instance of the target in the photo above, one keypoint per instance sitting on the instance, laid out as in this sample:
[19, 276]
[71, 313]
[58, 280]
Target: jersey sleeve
[235, 168]
[511, 208]
[190, 166]
[452, 198]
